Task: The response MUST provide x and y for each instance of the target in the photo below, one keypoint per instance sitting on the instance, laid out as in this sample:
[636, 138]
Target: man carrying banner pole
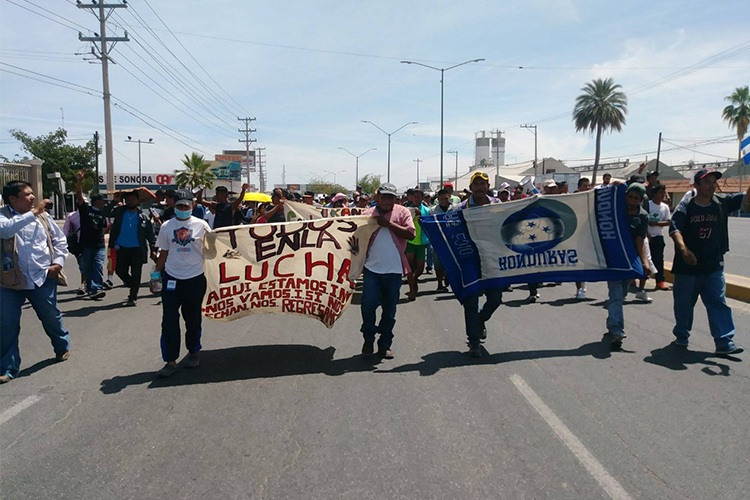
[385, 264]
[474, 317]
[181, 264]
[638, 222]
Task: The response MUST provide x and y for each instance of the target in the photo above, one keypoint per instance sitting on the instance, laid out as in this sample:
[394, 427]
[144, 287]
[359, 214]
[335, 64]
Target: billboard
[241, 153]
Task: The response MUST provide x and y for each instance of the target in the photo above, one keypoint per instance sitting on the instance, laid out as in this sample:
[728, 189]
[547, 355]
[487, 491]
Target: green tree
[601, 108]
[370, 183]
[738, 113]
[319, 186]
[197, 172]
[60, 157]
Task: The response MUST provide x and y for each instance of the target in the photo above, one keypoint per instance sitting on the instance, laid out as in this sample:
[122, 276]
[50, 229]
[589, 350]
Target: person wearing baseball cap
[455, 200]
[700, 231]
[184, 284]
[637, 219]
[222, 208]
[93, 253]
[550, 187]
[385, 264]
[475, 318]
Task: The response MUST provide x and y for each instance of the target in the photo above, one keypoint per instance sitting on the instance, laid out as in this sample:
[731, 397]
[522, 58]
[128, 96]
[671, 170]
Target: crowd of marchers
[120, 236]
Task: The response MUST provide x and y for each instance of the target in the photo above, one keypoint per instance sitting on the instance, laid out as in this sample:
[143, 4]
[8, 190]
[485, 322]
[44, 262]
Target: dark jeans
[92, 259]
[44, 301]
[476, 318]
[657, 255]
[379, 290]
[188, 296]
[712, 290]
[129, 267]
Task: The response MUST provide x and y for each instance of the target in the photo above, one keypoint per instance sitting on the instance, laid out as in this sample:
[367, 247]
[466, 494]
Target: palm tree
[196, 172]
[738, 113]
[601, 107]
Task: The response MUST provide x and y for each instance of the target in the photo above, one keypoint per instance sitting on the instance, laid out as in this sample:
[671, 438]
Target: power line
[192, 57]
[49, 83]
[161, 130]
[50, 77]
[42, 15]
[57, 15]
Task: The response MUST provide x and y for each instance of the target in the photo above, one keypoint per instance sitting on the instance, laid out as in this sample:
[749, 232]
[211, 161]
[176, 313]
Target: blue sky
[311, 71]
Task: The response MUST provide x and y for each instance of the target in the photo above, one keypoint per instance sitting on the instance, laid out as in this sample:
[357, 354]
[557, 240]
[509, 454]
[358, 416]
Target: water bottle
[7, 262]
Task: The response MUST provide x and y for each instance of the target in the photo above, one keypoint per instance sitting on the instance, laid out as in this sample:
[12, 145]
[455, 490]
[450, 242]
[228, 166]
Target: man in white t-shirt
[181, 264]
[658, 219]
[385, 264]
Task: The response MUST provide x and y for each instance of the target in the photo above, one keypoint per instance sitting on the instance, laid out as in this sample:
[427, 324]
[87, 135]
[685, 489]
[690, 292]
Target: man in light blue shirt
[33, 253]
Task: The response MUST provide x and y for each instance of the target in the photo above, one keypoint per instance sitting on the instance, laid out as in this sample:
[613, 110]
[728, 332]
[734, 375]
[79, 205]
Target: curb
[738, 287]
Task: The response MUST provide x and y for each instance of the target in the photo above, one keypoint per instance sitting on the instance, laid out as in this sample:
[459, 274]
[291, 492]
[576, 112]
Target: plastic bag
[155, 283]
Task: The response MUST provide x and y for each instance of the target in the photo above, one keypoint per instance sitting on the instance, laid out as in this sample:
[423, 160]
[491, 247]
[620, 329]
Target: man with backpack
[700, 231]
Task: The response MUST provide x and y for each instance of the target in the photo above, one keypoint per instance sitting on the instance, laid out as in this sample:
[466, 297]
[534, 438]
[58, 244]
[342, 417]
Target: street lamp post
[150, 141]
[334, 174]
[389, 141]
[356, 167]
[455, 153]
[529, 127]
[442, 80]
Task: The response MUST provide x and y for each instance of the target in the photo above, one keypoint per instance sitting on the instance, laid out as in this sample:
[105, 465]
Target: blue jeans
[92, 262]
[712, 290]
[44, 301]
[429, 256]
[380, 290]
[187, 297]
[618, 290]
[476, 318]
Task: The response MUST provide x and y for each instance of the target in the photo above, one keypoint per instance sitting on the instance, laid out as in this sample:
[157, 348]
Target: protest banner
[302, 267]
[294, 210]
[575, 237]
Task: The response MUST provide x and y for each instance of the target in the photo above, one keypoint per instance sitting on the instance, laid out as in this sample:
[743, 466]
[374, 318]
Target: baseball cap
[653, 172]
[479, 175]
[448, 184]
[550, 183]
[96, 197]
[636, 178]
[387, 188]
[700, 174]
[638, 188]
[182, 197]
[338, 197]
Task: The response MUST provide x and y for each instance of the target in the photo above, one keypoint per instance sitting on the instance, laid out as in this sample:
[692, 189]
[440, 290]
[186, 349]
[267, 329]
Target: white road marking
[15, 410]
[595, 468]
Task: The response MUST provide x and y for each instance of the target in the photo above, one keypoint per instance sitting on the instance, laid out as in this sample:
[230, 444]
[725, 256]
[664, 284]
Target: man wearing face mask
[181, 264]
[93, 227]
[131, 236]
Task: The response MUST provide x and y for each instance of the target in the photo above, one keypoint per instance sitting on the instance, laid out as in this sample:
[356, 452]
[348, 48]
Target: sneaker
[81, 290]
[662, 286]
[192, 360]
[368, 348]
[483, 335]
[730, 348]
[108, 285]
[475, 351]
[385, 353]
[680, 342]
[643, 296]
[130, 302]
[533, 297]
[4, 379]
[63, 357]
[442, 289]
[169, 369]
[581, 294]
[428, 270]
[98, 294]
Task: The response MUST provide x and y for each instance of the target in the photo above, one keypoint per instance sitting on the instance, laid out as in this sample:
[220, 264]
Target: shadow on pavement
[88, 310]
[675, 357]
[434, 362]
[39, 365]
[246, 363]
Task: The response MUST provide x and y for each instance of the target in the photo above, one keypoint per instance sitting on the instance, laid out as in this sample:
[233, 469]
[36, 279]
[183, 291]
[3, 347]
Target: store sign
[145, 179]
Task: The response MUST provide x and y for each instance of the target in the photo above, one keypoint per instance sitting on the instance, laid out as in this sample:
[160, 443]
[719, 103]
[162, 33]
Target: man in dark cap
[222, 208]
[93, 226]
[700, 231]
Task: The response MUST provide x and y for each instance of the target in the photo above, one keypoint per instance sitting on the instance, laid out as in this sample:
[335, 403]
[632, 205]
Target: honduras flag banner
[745, 150]
[573, 237]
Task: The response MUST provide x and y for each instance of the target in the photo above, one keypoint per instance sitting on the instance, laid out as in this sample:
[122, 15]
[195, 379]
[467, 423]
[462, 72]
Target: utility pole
[261, 169]
[96, 160]
[140, 174]
[283, 174]
[418, 161]
[247, 141]
[535, 154]
[102, 11]
[658, 152]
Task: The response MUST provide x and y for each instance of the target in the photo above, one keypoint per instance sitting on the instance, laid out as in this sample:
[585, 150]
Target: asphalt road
[737, 261]
[282, 407]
